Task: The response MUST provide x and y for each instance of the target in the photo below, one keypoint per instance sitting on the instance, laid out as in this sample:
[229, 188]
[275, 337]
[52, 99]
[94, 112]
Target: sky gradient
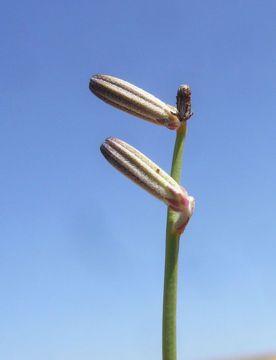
[81, 247]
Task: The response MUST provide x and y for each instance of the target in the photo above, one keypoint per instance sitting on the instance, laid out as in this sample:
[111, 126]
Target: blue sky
[81, 247]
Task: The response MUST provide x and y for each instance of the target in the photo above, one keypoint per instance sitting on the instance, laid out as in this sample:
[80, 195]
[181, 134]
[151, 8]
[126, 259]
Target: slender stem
[171, 260]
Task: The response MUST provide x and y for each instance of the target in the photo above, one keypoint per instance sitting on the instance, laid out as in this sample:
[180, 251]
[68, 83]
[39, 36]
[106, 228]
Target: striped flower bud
[134, 100]
[145, 173]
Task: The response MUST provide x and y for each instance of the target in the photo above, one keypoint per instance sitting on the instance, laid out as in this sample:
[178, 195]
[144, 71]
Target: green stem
[171, 260]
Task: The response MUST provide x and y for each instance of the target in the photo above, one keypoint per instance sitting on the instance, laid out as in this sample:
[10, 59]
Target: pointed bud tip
[93, 82]
[105, 146]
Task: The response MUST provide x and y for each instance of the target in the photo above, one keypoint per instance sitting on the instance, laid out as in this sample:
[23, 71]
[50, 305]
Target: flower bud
[183, 101]
[134, 100]
[145, 173]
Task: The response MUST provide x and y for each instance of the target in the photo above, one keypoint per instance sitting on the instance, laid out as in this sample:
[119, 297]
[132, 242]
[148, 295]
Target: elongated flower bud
[134, 100]
[145, 173]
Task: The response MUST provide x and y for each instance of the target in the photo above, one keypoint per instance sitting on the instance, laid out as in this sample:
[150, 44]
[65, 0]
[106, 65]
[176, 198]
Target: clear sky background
[81, 247]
